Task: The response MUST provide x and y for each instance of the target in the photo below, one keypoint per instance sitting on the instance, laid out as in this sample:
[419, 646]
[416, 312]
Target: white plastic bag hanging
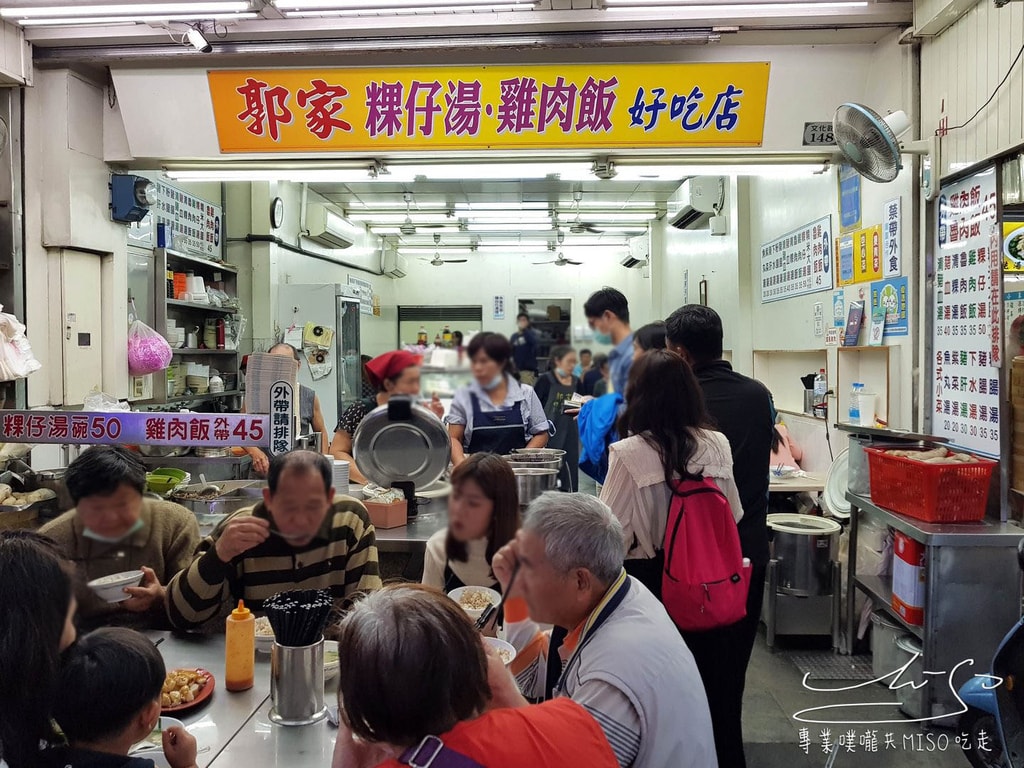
[148, 351]
[16, 358]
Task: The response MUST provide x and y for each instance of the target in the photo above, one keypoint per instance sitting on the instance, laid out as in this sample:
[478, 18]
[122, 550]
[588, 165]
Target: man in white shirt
[614, 649]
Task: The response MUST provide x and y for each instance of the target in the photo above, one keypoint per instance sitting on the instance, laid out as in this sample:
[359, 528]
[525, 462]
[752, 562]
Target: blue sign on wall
[849, 199]
[894, 296]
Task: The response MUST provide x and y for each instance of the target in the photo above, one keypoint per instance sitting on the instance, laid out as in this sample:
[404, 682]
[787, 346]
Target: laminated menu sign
[798, 263]
[967, 336]
[133, 428]
[186, 223]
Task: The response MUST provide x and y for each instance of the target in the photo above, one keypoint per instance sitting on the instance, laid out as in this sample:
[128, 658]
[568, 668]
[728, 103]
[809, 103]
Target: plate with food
[264, 635]
[506, 650]
[155, 741]
[185, 689]
[474, 599]
[1013, 248]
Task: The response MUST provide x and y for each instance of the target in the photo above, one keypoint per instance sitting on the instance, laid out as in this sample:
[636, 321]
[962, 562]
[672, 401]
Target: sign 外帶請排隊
[486, 107]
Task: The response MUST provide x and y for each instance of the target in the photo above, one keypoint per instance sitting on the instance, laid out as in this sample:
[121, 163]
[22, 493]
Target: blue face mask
[602, 338]
[494, 383]
[560, 373]
[90, 534]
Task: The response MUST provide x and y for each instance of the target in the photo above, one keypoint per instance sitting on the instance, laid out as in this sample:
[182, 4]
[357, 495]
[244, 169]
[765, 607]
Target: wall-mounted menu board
[799, 262]
[967, 316]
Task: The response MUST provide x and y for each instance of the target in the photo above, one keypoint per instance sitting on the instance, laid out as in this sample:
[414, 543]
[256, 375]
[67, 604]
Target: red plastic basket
[934, 493]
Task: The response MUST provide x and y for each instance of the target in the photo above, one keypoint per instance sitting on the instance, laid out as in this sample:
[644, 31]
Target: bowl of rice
[474, 600]
[264, 635]
[505, 649]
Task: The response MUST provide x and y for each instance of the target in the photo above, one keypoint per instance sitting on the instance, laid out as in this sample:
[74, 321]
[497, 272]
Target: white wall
[514, 276]
[66, 199]
[960, 69]
[264, 266]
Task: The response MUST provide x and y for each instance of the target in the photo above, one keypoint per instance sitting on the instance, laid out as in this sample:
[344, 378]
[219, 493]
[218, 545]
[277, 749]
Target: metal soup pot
[804, 547]
[531, 483]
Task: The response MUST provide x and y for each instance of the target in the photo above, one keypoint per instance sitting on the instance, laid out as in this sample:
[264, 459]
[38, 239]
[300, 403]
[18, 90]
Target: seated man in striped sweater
[301, 536]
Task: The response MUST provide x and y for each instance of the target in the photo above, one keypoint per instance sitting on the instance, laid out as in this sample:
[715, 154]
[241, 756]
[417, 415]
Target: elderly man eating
[299, 537]
[613, 649]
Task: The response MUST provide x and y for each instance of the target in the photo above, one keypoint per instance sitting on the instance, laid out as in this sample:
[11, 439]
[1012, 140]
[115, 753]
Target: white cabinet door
[81, 314]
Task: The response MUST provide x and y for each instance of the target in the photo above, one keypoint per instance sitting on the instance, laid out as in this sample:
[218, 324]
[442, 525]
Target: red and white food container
[908, 579]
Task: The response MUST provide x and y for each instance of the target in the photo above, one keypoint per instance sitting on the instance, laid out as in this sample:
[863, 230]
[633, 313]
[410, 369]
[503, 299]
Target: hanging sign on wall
[859, 256]
[501, 107]
[799, 262]
[967, 316]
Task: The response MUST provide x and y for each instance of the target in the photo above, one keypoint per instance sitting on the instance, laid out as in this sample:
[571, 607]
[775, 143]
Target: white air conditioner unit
[394, 265]
[696, 201]
[328, 227]
[639, 251]
[632, 261]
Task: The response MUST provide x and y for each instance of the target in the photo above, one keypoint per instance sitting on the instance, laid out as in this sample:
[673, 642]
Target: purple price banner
[87, 428]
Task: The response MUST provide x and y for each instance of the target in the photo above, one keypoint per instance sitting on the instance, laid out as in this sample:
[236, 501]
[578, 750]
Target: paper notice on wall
[839, 309]
[293, 336]
[967, 327]
[892, 239]
[798, 263]
[832, 337]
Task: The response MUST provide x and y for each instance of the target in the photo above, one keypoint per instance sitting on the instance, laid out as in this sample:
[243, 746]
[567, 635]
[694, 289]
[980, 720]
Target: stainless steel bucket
[886, 657]
[297, 684]
[531, 483]
[804, 547]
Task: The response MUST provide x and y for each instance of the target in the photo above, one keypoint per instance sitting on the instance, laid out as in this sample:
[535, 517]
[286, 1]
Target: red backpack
[706, 581]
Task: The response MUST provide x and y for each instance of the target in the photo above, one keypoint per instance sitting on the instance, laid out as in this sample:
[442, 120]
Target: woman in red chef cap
[393, 373]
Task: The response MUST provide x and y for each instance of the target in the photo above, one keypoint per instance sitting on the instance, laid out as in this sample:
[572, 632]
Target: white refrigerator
[330, 306]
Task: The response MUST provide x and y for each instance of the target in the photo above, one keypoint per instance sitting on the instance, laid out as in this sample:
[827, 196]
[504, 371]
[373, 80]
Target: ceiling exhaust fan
[437, 261]
[579, 227]
[407, 227]
[561, 261]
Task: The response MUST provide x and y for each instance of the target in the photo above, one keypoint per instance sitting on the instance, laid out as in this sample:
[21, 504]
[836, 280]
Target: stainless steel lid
[401, 441]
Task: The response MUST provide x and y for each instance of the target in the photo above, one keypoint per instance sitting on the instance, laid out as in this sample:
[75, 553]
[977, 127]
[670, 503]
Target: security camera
[198, 40]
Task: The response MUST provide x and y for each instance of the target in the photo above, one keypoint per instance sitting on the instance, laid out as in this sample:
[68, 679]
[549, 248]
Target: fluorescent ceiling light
[137, 10]
[414, 6]
[680, 172]
[567, 218]
[464, 209]
[526, 226]
[336, 175]
[510, 218]
[717, 11]
[499, 171]
[399, 218]
[134, 19]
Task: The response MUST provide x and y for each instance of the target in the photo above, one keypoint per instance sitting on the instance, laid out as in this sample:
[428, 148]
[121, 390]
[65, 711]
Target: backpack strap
[432, 753]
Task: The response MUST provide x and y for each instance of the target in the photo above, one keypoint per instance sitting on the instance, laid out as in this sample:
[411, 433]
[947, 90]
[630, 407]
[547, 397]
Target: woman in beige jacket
[667, 436]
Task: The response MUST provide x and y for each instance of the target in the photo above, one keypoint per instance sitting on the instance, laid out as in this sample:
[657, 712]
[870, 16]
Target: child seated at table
[109, 700]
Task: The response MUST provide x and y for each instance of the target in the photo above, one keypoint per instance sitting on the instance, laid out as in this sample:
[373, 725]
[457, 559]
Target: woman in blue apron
[483, 516]
[494, 413]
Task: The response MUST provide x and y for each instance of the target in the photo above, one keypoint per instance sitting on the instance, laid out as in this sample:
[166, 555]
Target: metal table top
[218, 721]
[412, 537]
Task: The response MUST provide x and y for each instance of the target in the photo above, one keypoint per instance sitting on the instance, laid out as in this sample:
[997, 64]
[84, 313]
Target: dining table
[234, 729]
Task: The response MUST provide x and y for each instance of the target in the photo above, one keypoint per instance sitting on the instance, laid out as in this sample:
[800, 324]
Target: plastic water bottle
[820, 387]
[855, 394]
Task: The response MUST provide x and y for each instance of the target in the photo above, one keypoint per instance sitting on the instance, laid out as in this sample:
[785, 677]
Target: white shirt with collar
[461, 411]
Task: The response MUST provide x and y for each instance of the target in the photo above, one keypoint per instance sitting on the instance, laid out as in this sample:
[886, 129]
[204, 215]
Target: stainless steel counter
[412, 537]
[985, 533]
[224, 468]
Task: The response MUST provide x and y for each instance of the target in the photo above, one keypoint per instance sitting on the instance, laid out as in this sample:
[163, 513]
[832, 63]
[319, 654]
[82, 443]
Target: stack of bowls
[341, 476]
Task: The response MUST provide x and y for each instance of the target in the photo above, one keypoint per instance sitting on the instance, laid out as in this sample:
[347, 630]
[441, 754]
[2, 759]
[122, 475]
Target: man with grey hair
[613, 648]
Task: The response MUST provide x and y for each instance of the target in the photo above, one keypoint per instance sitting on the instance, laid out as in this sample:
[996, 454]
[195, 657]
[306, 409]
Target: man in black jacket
[741, 408]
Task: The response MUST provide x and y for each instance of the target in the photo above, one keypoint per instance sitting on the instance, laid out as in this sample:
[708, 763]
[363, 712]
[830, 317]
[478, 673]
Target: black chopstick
[488, 612]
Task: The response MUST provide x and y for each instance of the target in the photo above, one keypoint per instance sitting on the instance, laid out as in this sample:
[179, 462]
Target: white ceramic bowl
[264, 643]
[474, 613]
[332, 664]
[111, 588]
[501, 645]
[154, 742]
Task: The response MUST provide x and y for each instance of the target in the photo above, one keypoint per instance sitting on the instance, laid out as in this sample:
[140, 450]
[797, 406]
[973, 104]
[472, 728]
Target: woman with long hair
[37, 606]
[555, 388]
[668, 438]
[650, 336]
[483, 516]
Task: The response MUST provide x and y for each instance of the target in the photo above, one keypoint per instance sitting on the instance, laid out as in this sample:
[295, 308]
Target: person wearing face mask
[555, 388]
[393, 373]
[524, 346]
[113, 528]
[494, 413]
[607, 313]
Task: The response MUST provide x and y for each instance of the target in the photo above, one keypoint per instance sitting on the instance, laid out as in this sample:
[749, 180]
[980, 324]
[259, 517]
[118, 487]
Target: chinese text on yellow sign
[600, 106]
